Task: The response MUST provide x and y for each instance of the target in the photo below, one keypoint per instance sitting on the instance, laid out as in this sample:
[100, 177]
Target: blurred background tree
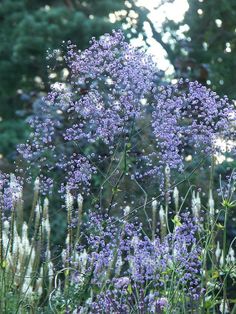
[202, 46]
[28, 29]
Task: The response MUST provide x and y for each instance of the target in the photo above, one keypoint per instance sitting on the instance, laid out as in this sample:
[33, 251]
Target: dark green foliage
[29, 28]
[11, 133]
[207, 51]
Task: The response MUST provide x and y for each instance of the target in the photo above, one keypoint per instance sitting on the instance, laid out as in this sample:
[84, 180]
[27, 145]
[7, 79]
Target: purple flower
[122, 282]
[105, 106]
[161, 304]
[146, 264]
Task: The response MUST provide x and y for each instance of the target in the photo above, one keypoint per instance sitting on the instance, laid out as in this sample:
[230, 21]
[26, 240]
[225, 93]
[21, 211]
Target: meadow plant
[112, 96]
[26, 266]
[115, 267]
[110, 127]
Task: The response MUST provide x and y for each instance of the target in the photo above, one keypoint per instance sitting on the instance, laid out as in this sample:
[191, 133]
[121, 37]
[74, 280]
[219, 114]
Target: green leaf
[129, 289]
[176, 221]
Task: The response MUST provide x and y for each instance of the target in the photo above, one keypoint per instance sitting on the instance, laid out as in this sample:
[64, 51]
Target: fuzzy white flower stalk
[154, 218]
[64, 255]
[5, 237]
[126, 212]
[35, 200]
[36, 185]
[167, 192]
[24, 239]
[15, 188]
[50, 274]
[25, 258]
[80, 201]
[46, 229]
[12, 256]
[37, 238]
[222, 259]
[26, 289]
[17, 243]
[135, 242]
[230, 258]
[45, 207]
[17, 198]
[224, 309]
[28, 276]
[162, 221]
[119, 264]
[132, 266]
[22, 254]
[83, 258]
[196, 204]
[46, 226]
[69, 208]
[218, 251]
[39, 283]
[122, 282]
[81, 262]
[79, 216]
[37, 216]
[36, 190]
[176, 199]
[211, 205]
[69, 201]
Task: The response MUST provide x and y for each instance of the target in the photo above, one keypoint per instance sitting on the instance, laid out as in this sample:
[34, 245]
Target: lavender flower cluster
[111, 89]
[188, 113]
[10, 194]
[125, 265]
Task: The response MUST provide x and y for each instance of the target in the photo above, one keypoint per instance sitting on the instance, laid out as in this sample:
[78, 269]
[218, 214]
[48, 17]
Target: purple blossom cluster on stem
[188, 113]
[111, 90]
[126, 265]
[10, 193]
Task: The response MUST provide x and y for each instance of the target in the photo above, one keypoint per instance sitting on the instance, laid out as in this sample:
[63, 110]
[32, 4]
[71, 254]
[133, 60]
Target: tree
[203, 45]
[29, 28]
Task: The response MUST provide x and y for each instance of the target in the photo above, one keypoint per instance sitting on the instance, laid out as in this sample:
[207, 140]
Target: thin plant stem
[224, 257]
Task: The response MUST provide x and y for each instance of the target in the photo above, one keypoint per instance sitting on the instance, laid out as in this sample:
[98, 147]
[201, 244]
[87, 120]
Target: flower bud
[36, 185]
[69, 200]
[196, 204]
[230, 256]
[122, 282]
[126, 210]
[211, 204]
[176, 198]
[162, 215]
[154, 205]
[218, 251]
[224, 307]
[80, 201]
[222, 259]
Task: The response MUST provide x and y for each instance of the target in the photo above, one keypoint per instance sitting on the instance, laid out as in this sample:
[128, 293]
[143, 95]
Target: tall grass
[114, 265]
[26, 268]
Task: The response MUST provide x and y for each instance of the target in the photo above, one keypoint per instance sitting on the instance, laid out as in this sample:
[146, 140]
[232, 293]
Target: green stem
[224, 256]
[154, 222]
[1, 246]
[167, 187]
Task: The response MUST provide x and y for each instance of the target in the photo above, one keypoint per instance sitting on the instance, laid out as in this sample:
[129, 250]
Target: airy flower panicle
[112, 89]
